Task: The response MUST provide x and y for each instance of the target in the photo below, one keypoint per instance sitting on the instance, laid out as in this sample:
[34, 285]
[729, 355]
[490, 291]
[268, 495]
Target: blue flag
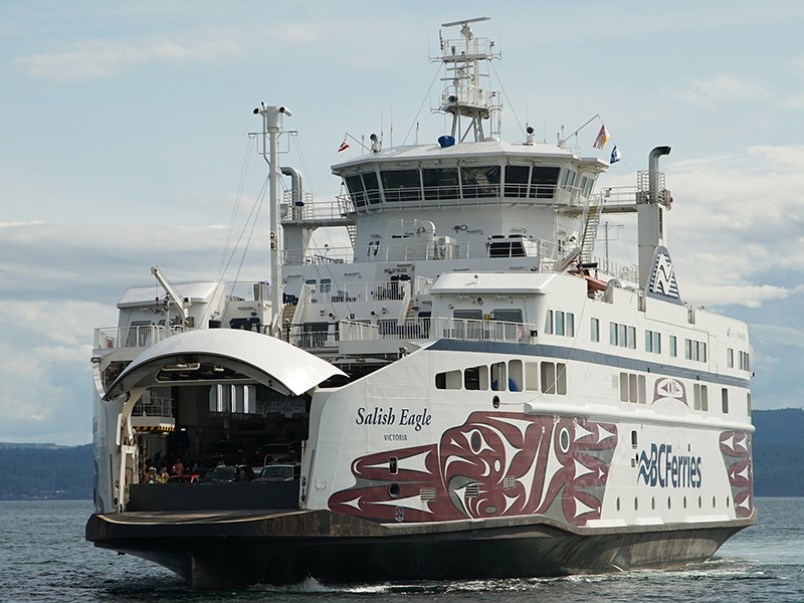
[615, 155]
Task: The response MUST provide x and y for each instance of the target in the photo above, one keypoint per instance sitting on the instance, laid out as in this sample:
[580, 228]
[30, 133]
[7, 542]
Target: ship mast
[271, 130]
[465, 63]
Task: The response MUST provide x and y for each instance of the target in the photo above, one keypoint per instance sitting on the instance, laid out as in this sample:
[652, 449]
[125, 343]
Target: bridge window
[568, 178]
[401, 185]
[516, 181]
[356, 189]
[372, 185]
[587, 182]
[543, 181]
[480, 181]
[440, 183]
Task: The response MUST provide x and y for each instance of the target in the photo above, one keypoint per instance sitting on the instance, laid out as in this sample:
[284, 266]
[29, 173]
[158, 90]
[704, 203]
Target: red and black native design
[735, 446]
[494, 465]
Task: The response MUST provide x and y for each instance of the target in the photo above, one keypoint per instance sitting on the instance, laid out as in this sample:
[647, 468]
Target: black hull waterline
[230, 549]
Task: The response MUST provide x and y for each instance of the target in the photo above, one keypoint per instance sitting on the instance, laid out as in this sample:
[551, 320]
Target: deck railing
[438, 328]
[134, 336]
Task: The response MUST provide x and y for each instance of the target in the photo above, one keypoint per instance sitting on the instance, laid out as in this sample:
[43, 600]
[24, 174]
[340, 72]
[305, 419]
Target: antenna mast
[271, 130]
[465, 61]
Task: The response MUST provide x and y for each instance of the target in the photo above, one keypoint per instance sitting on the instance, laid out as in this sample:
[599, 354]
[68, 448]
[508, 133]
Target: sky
[124, 144]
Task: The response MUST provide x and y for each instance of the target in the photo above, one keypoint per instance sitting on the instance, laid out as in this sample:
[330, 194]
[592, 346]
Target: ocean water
[44, 557]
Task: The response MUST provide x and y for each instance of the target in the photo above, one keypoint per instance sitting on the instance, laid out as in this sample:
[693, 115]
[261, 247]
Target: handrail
[437, 328]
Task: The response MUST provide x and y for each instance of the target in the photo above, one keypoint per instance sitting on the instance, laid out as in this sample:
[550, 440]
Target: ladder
[591, 223]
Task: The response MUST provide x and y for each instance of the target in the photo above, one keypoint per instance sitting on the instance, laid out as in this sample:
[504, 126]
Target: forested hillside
[779, 452]
[37, 472]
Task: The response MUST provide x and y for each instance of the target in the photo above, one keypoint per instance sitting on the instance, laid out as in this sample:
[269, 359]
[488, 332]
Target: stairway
[591, 223]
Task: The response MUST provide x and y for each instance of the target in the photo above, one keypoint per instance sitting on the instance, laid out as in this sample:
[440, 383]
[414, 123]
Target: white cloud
[724, 89]
[105, 58]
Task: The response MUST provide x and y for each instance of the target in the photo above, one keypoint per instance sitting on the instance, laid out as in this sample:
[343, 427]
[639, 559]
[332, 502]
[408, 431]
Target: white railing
[133, 337]
[438, 328]
[368, 292]
[154, 407]
[423, 250]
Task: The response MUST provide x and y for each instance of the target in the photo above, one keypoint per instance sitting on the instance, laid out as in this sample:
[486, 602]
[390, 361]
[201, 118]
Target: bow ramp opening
[220, 408]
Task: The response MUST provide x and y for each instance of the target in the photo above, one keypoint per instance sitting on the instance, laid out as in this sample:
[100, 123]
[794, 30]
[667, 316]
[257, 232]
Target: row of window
[560, 323]
[437, 183]
[624, 336]
[551, 378]
[743, 359]
[514, 376]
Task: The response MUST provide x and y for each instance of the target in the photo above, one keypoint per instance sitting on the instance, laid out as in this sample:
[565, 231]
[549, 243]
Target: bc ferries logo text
[404, 417]
[662, 468]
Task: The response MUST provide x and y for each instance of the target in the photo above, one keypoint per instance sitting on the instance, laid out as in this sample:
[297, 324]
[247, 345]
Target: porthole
[393, 490]
[652, 503]
[564, 440]
[636, 504]
[618, 503]
[476, 441]
[669, 503]
[495, 401]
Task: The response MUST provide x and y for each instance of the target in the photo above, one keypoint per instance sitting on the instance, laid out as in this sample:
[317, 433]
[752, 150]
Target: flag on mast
[343, 147]
[615, 155]
[602, 138]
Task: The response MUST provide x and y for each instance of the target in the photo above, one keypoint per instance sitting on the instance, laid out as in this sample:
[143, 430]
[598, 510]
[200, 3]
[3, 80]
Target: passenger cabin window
[476, 378]
[595, 330]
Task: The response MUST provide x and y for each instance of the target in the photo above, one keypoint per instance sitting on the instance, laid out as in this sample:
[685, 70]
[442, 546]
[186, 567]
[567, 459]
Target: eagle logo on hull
[494, 465]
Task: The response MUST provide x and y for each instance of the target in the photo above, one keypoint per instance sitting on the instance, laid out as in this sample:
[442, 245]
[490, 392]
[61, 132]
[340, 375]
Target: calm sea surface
[43, 557]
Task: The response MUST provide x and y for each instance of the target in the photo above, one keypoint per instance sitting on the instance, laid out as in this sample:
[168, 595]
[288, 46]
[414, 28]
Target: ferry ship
[467, 392]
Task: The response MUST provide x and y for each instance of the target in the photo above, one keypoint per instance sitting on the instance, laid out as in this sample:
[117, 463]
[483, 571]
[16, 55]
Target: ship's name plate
[404, 417]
